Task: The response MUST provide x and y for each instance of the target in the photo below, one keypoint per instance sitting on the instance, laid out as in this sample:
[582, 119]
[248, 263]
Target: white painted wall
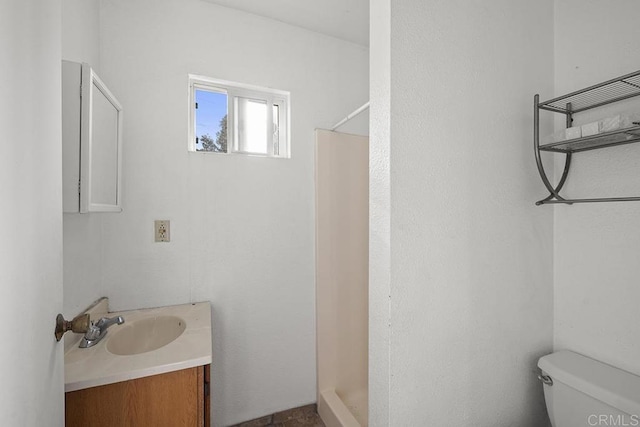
[597, 246]
[470, 255]
[80, 31]
[242, 228]
[31, 362]
[344, 19]
[82, 233]
[379, 212]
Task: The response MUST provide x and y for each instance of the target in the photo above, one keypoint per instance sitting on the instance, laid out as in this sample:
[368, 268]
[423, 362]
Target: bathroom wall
[31, 362]
[471, 256]
[379, 211]
[82, 233]
[597, 246]
[80, 31]
[242, 228]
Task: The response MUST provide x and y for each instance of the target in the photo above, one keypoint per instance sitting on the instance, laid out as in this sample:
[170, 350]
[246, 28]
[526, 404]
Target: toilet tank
[586, 392]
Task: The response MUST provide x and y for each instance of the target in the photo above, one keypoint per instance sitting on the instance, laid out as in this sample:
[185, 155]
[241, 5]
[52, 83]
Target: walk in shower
[342, 264]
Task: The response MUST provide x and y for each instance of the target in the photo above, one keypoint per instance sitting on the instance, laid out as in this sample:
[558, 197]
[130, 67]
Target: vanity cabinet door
[171, 399]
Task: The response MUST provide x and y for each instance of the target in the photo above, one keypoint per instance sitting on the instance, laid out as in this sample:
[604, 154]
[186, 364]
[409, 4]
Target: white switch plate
[162, 227]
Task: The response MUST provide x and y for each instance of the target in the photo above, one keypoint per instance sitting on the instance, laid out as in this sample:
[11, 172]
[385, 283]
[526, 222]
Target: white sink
[143, 335]
[152, 341]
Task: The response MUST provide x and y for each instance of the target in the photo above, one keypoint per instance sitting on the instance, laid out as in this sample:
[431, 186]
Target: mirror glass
[104, 149]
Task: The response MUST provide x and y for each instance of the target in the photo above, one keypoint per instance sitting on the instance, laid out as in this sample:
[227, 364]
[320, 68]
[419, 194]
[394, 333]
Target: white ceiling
[344, 19]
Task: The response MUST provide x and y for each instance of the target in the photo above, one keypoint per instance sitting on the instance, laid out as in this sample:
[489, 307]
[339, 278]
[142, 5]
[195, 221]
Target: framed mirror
[92, 142]
[100, 146]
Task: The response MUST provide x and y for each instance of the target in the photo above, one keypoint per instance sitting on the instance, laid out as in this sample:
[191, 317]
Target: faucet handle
[98, 330]
[105, 322]
[93, 332]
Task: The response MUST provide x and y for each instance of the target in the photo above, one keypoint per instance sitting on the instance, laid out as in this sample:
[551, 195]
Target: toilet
[580, 392]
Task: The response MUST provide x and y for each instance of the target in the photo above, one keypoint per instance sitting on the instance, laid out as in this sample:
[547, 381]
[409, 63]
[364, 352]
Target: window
[226, 117]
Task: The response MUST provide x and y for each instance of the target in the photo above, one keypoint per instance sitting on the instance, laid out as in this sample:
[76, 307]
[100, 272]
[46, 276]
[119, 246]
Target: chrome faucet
[98, 330]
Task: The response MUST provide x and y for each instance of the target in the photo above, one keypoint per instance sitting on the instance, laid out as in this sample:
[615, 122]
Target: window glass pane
[251, 116]
[211, 121]
[256, 122]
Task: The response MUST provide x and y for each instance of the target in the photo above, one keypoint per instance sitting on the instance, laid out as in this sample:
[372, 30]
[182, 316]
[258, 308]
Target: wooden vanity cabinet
[179, 398]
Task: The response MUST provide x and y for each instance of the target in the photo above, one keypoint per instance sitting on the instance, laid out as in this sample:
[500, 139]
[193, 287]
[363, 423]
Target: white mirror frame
[90, 81]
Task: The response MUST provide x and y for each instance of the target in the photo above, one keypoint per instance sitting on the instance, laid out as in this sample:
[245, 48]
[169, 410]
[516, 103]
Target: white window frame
[233, 90]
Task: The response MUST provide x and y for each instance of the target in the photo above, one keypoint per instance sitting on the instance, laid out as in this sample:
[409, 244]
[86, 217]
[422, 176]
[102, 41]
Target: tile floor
[304, 416]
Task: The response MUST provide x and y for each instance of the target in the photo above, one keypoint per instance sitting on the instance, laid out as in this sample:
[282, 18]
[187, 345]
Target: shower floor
[358, 405]
[304, 416]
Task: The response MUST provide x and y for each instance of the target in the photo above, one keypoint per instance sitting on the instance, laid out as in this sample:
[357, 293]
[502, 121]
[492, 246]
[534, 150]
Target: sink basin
[152, 341]
[144, 335]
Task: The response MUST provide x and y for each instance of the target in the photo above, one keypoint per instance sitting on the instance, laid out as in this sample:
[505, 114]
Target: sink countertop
[96, 366]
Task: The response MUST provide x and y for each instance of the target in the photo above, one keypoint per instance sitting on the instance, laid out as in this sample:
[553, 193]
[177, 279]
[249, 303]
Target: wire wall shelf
[608, 139]
[615, 90]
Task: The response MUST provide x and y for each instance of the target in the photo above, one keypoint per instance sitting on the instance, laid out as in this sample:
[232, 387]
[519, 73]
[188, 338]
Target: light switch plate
[162, 227]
